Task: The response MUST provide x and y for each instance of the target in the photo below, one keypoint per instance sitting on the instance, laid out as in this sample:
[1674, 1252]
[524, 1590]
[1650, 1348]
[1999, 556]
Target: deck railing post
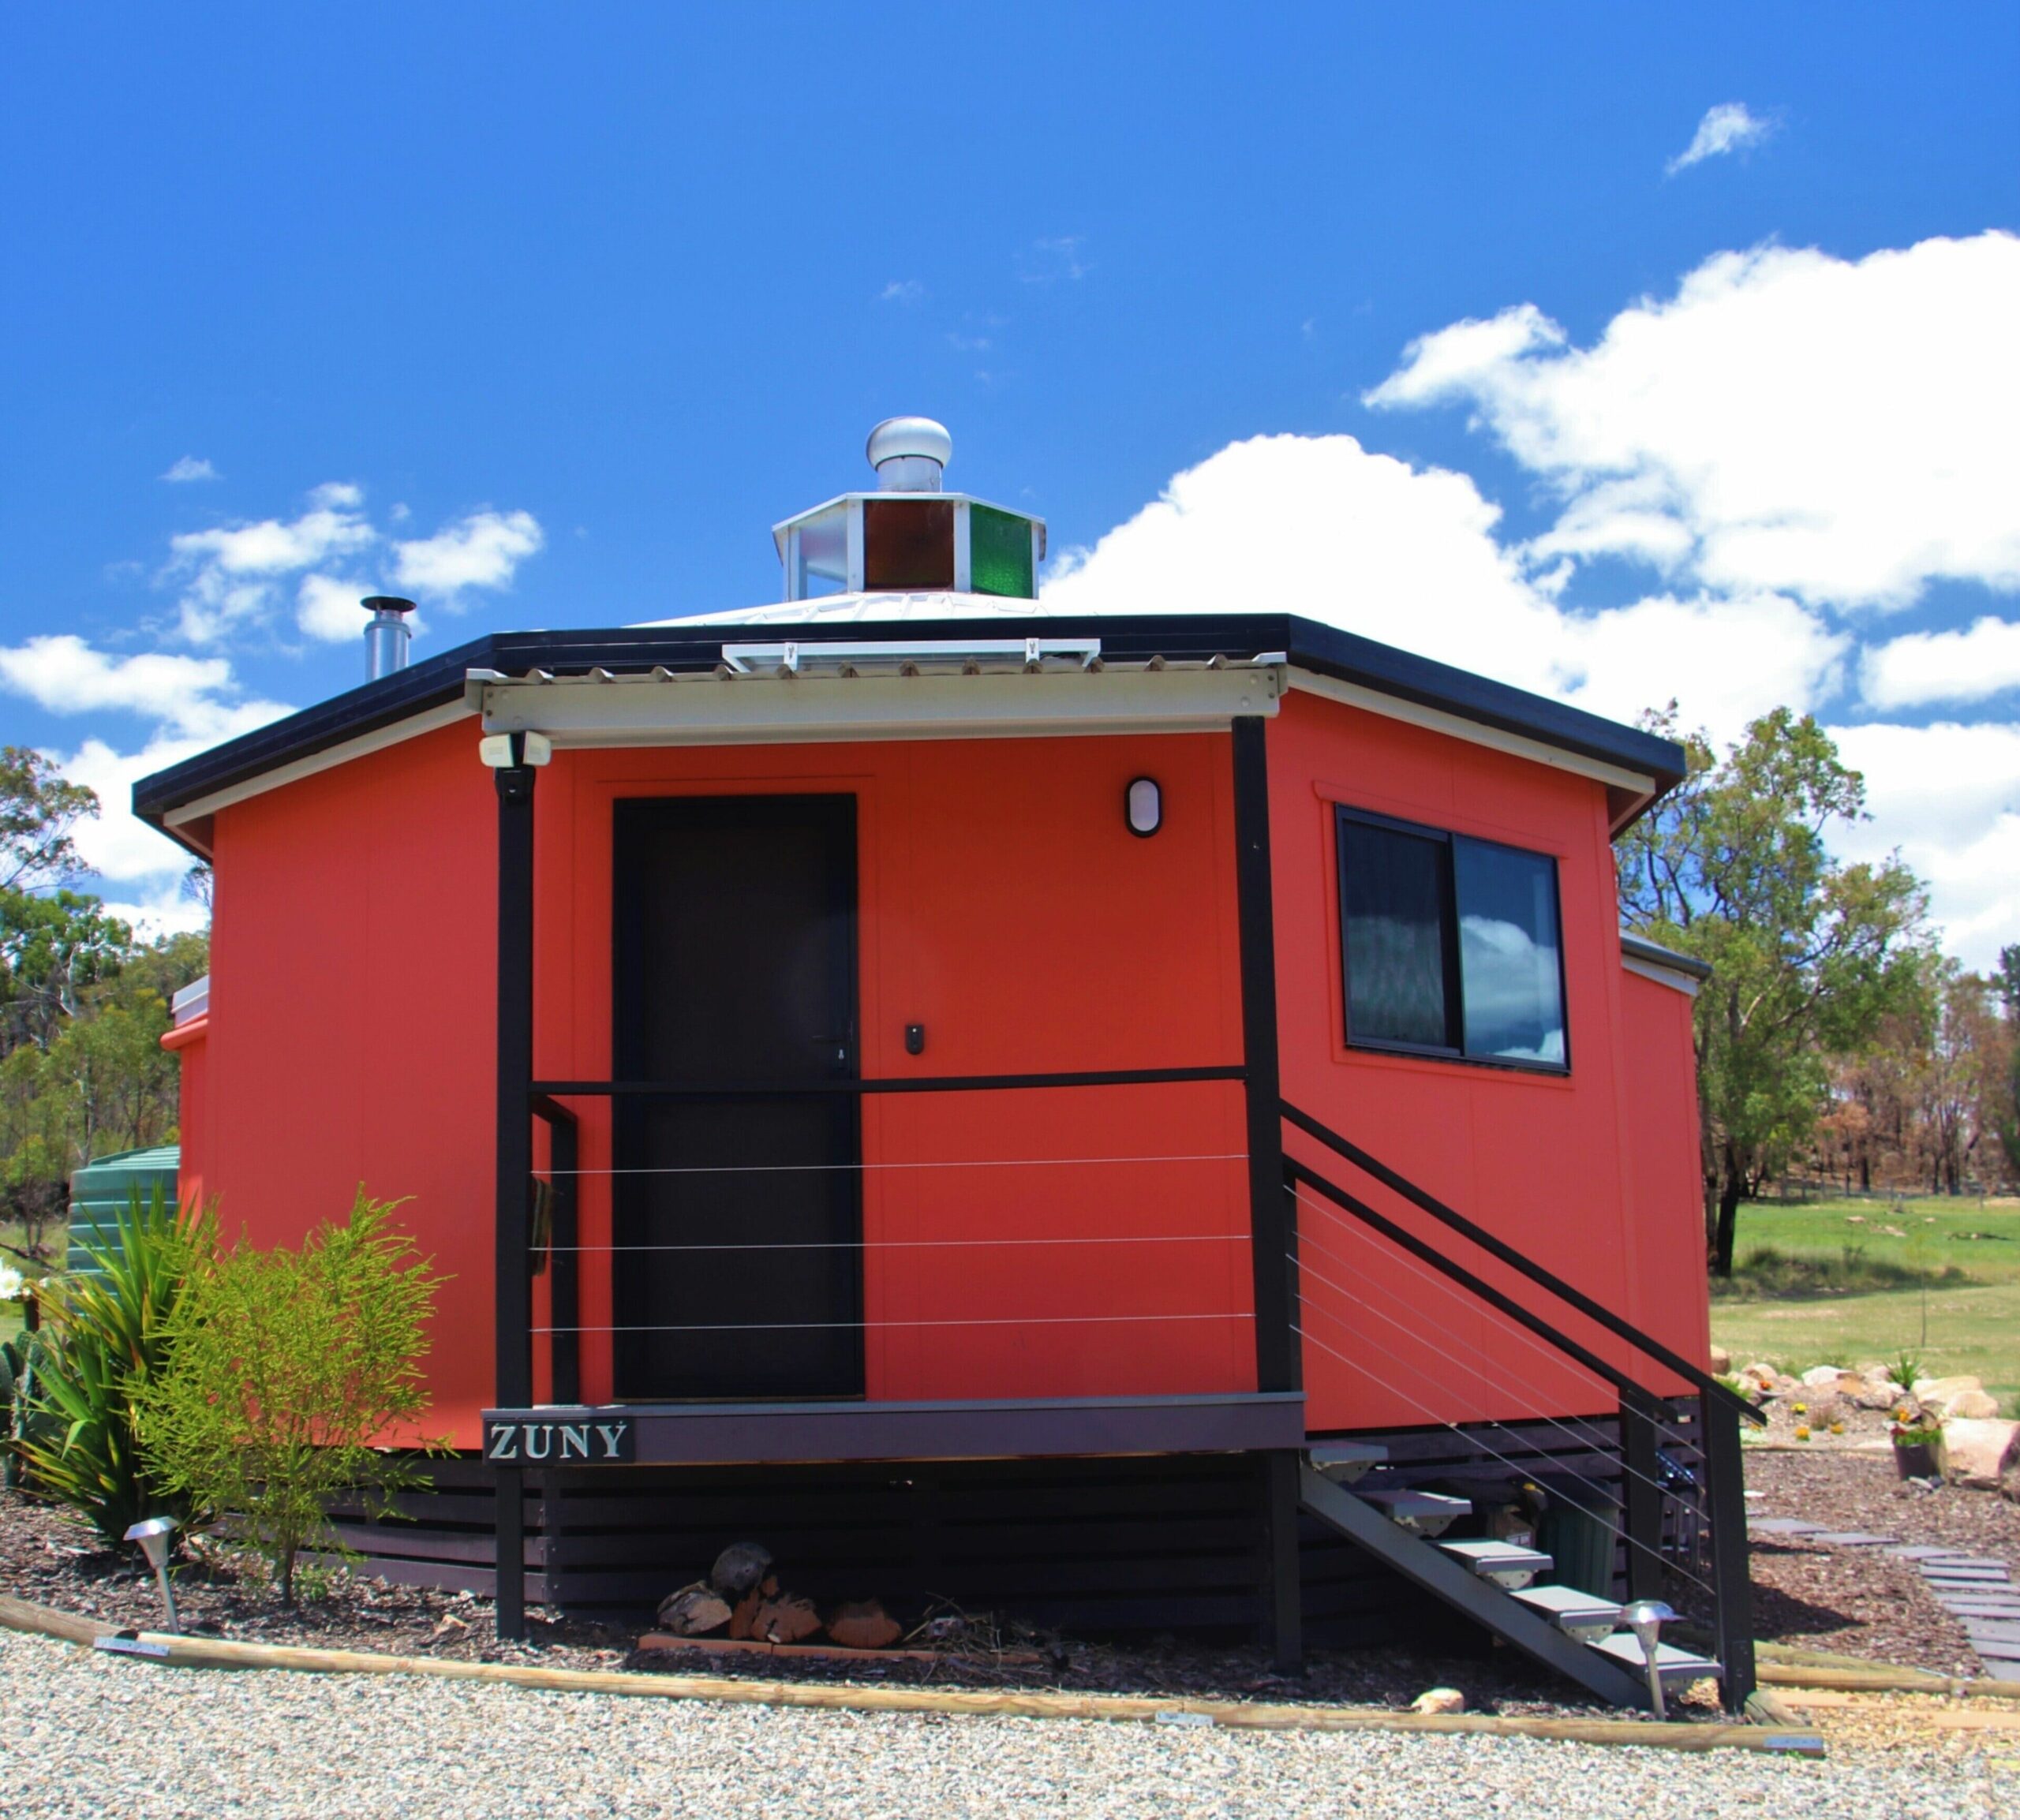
[1725, 1492]
[1273, 1232]
[513, 1306]
[1642, 1497]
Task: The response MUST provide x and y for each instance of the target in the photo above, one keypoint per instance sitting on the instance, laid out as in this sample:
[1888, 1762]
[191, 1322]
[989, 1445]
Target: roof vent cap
[910, 455]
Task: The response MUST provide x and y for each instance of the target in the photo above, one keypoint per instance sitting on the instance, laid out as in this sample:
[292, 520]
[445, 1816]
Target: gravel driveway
[86, 1736]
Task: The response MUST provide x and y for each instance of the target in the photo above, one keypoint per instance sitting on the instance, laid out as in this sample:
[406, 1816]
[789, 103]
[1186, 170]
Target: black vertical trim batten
[1273, 1235]
[512, 1313]
[565, 1264]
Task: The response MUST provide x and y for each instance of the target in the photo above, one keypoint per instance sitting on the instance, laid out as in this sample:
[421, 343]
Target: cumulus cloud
[483, 550]
[190, 468]
[1835, 430]
[1730, 127]
[194, 696]
[1922, 668]
[1321, 526]
[234, 576]
[902, 290]
[1947, 797]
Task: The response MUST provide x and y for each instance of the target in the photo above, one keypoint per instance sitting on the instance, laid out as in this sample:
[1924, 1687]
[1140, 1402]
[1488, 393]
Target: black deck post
[1642, 1498]
[1725, 1498]
[1273, 1230]
[514, 1388]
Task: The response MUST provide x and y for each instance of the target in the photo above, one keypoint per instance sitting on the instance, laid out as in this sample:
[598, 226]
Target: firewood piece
[863, 1624]
[739, 1567]
[743, 1619]
[786, 1618]
[695, 1611]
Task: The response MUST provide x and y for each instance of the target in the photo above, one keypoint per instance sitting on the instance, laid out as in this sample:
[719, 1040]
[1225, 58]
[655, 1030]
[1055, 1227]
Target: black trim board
[1186, 638]
[750, 1433]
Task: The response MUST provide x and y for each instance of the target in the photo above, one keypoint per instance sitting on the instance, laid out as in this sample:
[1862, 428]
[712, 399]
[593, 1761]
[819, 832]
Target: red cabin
[1088, 1116]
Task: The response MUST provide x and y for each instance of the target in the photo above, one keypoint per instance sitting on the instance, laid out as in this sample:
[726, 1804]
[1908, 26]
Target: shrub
[107, 1334]
[289, 1368]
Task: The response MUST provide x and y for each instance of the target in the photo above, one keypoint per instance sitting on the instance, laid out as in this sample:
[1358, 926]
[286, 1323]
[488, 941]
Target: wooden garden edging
[209, 1653]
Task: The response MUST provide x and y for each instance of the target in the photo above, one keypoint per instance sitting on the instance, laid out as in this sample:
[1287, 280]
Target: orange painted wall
[1542, 1160]
[352, 987]
[189, 1043]
[1004, 905]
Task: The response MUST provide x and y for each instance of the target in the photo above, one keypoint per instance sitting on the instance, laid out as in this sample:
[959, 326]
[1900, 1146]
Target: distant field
[1848, 1282]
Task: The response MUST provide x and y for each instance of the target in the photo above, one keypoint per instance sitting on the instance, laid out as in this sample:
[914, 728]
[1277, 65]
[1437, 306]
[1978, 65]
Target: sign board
[559, 1440]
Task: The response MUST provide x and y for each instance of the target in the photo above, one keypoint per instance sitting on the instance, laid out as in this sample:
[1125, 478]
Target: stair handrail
[1647, 1343]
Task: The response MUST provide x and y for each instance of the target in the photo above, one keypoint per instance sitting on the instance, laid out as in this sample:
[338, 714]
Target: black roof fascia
[1181, 636]
[1641, 948]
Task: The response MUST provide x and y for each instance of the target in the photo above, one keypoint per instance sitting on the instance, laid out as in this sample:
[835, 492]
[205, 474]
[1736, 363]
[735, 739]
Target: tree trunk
[1722, 1249]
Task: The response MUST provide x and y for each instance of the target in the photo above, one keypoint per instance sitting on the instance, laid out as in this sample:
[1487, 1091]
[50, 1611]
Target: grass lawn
[1849, 1282]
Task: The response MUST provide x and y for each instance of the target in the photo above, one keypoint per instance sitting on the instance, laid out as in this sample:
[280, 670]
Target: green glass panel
[999, 553]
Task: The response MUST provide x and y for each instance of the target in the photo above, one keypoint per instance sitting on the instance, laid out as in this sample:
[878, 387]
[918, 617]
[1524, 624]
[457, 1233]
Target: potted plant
[1917, 1435]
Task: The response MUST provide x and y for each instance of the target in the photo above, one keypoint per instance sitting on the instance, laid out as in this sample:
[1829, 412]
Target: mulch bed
[1853, 1602]
[1862, 1601]
[48, 1557]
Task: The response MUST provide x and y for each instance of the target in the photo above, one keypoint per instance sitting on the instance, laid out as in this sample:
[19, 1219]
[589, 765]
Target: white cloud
[1837, 431]
[1926, 666]
[480, 551]
[1948, 798]
[1047, 261]
[902, 290]
[230, 571]
[190, 468]
[1320, 526]
[1731, 126]
[63, 674]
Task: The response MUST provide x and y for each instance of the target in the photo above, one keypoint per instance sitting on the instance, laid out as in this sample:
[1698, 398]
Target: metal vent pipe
[387, 635]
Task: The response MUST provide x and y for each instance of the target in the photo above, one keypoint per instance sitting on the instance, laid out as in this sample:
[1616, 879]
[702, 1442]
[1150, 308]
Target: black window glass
[1393, 890]
[1511, 977]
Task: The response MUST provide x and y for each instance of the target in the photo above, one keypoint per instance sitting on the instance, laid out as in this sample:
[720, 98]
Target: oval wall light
[1143, 806]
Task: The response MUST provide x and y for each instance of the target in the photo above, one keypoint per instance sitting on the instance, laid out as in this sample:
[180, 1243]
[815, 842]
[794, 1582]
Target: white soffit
[949, 696]
[1674, 977]
[1436, 720]
[376, 741]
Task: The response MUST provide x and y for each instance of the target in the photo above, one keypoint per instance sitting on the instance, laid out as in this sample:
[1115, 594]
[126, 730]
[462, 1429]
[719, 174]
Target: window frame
[1455, 980]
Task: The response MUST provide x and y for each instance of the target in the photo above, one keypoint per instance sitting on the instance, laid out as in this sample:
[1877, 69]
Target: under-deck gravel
[85, 1736]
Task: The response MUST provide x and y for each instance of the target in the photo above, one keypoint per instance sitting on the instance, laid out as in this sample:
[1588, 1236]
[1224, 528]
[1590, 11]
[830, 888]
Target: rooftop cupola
[912, 536]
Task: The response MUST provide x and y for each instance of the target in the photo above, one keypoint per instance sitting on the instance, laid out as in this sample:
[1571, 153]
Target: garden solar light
[1646, 1617]
[152, 1534]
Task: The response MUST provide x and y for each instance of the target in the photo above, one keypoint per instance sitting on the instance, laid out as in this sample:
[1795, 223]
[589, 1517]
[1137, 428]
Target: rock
[1763, 1374]
[1881, 1393]
[785, 1618]
[1973, 1406]
[1981, 1452]
[1824, 1376]
[1849, 1386]
[1439, 1700]
[695, 1611]
[1722, 1362]
[739, 1567]
[1937, 1391]
[863, 1624]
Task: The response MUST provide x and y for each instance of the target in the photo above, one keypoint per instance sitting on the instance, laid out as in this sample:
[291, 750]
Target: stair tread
[1484, 1553]
[1402, 1497]
[1323, 1452]
[1559, 1600]
[1625, 1647]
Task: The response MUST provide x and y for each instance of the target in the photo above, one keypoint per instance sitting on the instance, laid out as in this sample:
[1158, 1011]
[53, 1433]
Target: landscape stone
[1783, 1527]
[1980, 1451]
[1722, 1361]
[1824, 1376]
[1972, 1406]
[1938, 1391]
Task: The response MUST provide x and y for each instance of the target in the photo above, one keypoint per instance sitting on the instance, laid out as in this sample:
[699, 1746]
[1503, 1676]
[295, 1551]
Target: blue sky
[546, 315]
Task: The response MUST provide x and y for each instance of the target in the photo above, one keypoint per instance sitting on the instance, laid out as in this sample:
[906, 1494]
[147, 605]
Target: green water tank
[104, 1188]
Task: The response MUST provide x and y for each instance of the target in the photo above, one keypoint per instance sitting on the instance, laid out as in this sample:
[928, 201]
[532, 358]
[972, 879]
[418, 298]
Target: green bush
[289, 1370]
[107, 1336]
[22, 1363]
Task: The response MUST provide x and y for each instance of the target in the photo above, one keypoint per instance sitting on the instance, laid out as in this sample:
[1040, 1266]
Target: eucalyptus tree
[1809, 953]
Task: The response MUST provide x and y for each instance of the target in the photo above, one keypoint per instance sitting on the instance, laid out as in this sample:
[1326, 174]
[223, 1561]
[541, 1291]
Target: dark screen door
[735, 964]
